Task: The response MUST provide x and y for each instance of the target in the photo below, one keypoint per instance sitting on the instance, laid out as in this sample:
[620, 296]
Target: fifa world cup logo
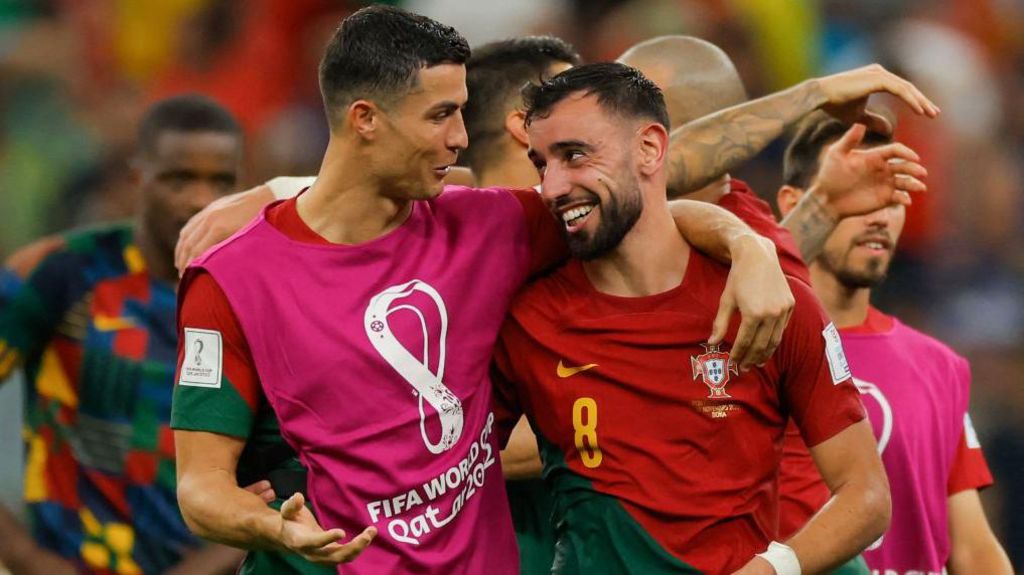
[429, 386]
[197, 358]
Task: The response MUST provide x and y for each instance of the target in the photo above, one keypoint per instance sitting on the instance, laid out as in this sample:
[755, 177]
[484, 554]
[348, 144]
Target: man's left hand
[758, 289]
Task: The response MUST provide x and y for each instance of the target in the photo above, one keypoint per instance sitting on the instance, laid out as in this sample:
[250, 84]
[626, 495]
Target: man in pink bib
[914, 388]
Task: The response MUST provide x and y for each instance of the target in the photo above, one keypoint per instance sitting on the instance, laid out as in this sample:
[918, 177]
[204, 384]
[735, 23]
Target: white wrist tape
[782, 558]
[284, 187]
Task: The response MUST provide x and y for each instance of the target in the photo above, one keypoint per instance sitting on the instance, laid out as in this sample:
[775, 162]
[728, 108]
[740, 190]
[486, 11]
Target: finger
[258, 487]
[896, 152]
[726, 307]
[290, 509]
[349, 551]
[776, 338]
[901, 168]
[312, 542]
[876, 122]
[759, 348]
[852, 138]
[906, 183]
[268, 496]
[744, 338]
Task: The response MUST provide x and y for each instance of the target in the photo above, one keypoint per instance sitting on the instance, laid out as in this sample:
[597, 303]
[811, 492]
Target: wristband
[284, 187]
[782, 558]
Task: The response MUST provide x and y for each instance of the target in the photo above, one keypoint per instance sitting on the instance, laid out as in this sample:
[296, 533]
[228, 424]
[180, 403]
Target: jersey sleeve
[547, 244]
[970, 469]
[36, 290]
[818, 391]
[217, 388]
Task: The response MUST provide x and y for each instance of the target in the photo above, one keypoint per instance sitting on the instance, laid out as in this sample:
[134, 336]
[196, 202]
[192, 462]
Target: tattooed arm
[705, 149]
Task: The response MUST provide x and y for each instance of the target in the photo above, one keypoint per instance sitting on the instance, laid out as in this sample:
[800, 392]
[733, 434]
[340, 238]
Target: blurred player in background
[663, 457]
[90, 315]
[916, 390]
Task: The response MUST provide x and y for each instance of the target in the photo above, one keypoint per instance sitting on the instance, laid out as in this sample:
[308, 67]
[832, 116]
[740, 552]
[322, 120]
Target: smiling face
[422, 134]
[585, 157]
[860, 249]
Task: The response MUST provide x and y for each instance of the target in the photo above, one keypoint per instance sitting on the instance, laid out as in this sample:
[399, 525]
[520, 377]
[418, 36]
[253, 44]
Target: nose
[555, 182]
[882, 218]
[199, 193]
[458, 138]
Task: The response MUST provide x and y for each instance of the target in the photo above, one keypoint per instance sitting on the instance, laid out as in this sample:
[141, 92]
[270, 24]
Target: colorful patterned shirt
[96, 337]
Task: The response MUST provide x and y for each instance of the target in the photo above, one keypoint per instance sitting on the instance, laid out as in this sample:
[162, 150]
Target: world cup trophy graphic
[429, 386]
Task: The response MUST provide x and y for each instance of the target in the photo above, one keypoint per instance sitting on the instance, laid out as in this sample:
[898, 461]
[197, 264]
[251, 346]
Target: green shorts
[530, 501]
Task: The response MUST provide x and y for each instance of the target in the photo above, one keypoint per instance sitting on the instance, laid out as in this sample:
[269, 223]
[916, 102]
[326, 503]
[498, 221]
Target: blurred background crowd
[75, 75]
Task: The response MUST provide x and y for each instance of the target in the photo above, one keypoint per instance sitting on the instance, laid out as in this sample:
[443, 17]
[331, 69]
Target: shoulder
[928, 347]
[548, 297]
[467, 197]
[100, 248]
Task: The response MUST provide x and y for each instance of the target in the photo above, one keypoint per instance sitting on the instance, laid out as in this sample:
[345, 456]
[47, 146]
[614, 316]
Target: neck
[513, 171]
[846, 306]
[346, 204]
[159, 260]
[711, 193]
[651, 259]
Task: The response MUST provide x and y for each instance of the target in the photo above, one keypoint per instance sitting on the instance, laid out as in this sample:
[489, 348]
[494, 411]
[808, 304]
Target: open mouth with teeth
[574, 217]
[877, 246]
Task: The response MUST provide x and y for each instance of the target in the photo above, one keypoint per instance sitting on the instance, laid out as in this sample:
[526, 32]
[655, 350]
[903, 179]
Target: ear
[515, 125]
[653, 142]
[788, 197]
[363, 116]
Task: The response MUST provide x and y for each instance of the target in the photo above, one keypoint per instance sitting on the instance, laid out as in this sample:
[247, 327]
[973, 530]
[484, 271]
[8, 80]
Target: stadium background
[76, 74]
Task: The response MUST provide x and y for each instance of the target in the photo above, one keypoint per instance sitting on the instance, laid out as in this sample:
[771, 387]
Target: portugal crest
[713, 366]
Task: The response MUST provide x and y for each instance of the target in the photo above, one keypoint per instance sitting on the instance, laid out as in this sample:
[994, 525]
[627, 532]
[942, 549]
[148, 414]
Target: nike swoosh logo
[108, 323]
[564, 372]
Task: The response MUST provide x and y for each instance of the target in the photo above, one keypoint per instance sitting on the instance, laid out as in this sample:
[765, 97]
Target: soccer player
[916, 390]
[377, 425]
[90, 315]
[664, 457]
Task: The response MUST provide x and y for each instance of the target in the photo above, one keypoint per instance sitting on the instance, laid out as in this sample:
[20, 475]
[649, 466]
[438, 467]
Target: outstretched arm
[705, 149]
[216, 508]
[756, 286]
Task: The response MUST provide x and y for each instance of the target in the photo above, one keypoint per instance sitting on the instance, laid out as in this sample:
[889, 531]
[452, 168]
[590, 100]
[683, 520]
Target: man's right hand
[217, 222]
[300, 533]
[846, 94]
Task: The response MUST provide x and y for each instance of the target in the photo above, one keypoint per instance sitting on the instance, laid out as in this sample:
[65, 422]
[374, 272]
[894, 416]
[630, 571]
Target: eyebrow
[445, 106]
[567, 144]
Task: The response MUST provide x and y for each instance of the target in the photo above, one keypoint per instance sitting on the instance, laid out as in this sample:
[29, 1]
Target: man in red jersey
[662, 456]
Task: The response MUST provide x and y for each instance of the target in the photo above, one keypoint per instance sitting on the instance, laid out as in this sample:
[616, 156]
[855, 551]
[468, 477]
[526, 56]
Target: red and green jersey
[95, 334]
[661, 456]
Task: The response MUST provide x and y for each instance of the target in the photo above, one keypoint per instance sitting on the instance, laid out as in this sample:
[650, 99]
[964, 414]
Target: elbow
[190, 497]
[877, 506]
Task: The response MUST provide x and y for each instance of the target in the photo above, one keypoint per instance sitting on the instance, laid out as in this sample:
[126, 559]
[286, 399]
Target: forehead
[184, 148]
[443, 82]
[577, 117]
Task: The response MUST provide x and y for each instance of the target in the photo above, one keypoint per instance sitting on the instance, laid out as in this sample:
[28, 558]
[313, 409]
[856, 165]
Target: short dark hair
[184, 113]
[377, 53]
[495, 74]
[813, 134]
[619, 88]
